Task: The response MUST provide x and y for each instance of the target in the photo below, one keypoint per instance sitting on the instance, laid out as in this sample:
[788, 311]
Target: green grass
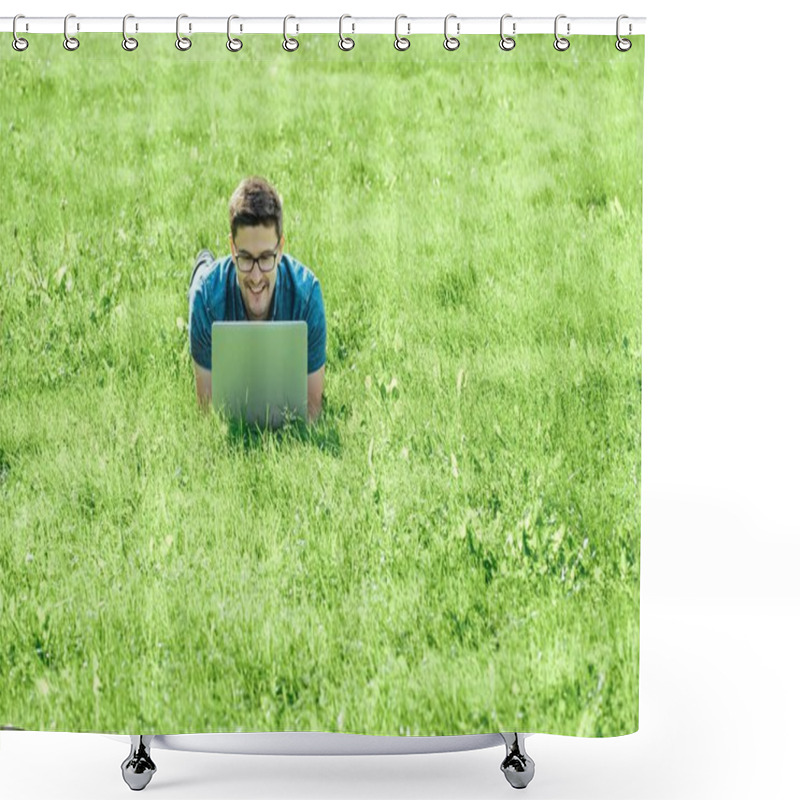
[454, 546]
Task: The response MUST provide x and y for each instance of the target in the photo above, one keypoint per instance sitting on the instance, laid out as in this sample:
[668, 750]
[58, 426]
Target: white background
[720, 607]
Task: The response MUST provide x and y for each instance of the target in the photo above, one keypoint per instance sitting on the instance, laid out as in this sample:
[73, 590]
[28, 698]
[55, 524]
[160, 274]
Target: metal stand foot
[138, 768]
[517, 766]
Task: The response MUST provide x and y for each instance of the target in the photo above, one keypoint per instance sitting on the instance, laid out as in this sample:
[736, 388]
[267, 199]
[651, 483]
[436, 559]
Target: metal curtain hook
[182, 42]
[345, 42]
[128, 42]
[450, 42]
[19, 44]
[400, 42]
[506, 42]
[623, 45]
[560, 44]
[234, 45]
[289, 44]
[70, 42]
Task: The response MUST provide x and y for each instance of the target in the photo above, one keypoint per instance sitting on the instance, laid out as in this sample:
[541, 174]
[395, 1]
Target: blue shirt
[215, 296]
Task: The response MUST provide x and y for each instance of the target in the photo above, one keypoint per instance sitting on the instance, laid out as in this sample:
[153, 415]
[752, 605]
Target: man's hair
[255, 201]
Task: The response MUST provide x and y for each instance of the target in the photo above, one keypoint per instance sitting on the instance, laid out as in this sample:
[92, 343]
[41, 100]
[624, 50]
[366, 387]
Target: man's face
[257, 286]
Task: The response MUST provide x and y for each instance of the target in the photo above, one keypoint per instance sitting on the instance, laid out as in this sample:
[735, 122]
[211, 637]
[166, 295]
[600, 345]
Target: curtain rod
[457, 26]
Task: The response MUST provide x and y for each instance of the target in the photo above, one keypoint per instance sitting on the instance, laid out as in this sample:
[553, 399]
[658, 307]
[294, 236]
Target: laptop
[259, 371]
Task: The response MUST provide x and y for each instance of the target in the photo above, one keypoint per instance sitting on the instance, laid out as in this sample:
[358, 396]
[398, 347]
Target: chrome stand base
[138, 768]
[517, 766]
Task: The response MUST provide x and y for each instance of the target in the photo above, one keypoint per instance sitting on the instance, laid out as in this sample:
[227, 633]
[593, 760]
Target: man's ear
[230, 240]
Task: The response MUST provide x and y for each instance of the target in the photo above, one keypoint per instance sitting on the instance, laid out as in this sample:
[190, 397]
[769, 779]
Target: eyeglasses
[266, 262]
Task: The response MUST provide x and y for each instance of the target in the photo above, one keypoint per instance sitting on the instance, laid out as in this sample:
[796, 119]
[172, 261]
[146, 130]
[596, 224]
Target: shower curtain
[451, 546]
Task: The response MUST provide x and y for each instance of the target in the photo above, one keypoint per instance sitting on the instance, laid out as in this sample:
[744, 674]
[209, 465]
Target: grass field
[454, 547]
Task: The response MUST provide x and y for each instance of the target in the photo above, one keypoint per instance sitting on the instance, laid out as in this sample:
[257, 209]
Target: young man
[258, 281]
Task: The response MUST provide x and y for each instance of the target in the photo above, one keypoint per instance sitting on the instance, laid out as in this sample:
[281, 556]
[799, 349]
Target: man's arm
[200, 341]
[317, 335]
[315, 385]
[202, 379]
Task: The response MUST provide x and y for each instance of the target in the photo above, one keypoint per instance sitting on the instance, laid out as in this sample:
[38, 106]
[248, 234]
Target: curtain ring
[506, 42]
[181, 42]
[560, 44]
[70, 42]
[623, 45]
[19, 44]
[234, 45]
[450, 42]
[345, 42]
[128, 42]
[289, 44]
[400, 42]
